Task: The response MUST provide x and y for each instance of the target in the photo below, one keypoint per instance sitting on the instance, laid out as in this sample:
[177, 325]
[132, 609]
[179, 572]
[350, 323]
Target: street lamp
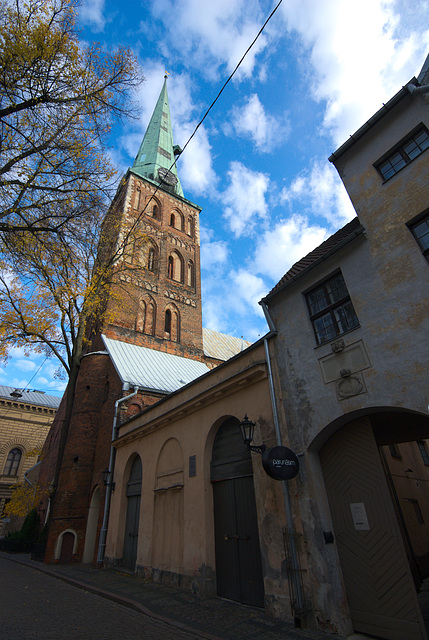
[247, 429]
[107, 478]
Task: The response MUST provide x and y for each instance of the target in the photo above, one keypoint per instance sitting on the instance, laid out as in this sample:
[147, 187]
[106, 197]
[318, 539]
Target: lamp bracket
[257, 448]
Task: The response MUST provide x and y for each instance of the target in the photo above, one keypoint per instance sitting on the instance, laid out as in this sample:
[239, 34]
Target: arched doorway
[91, 527]
[238, 554]
[375, 564]
[133, 493]
[67, 547]
[168, 525]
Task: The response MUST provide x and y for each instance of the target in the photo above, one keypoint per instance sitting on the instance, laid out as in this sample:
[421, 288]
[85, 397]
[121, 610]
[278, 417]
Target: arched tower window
[190, 274]
[175, 266]
[172, 324]
[12, 462]
[155, 211]
[172, 220]
[167, 327]
[151, 259]
[170, 267]
[190, 226]
[145, 321]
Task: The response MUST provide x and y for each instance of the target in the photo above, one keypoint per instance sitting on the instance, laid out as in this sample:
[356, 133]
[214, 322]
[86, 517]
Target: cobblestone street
[79, 602]
[35, 605]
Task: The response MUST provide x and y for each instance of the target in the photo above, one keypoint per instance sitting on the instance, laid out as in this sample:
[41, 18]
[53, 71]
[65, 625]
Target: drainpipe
[108, 498]
[286, 496]
[413, 89]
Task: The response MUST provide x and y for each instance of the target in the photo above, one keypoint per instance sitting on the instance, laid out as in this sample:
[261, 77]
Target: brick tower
[162, 308]
[153, 321]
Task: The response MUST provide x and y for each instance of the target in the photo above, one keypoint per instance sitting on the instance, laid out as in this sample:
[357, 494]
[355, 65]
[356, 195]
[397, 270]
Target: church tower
[162, 306]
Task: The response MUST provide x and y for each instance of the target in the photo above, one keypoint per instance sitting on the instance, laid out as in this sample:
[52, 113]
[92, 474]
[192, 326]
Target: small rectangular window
[331, 310]
[394, 451]
[404, 153]
[423, 450]
[420, 231]
[417, 511]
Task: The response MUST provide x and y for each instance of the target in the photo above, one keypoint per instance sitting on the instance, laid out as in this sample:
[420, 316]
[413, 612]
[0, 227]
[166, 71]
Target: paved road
[35, 606]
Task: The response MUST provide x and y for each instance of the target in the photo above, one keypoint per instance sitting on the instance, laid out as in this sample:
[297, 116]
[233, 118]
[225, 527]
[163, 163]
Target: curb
[114, 597]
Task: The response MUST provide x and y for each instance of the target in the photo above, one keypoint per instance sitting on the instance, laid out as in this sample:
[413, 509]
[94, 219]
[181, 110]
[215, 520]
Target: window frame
[421, 444]
[399, 148]
[330, 308]
[415, 222]
[9, 467]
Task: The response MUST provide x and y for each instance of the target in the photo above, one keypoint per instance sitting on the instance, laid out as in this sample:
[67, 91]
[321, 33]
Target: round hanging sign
[280, 463]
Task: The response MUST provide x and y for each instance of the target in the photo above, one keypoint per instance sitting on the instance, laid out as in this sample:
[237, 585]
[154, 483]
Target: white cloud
[244, 198]
[252, 121]
[216, 33]
[320, 191]
[248, 288]
[25, 365]
[213, 254]
[195, 165]
[91, 12]
[285, 244]
[360, 54]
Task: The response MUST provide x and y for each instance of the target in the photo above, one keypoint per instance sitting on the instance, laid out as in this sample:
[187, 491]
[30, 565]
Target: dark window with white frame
[12, 462]
[331, 310]
[404, 153]
[423, 451]
[394, 451]
[420, 231]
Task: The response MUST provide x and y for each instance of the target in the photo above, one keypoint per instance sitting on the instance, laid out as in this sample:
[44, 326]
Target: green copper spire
[155, 159]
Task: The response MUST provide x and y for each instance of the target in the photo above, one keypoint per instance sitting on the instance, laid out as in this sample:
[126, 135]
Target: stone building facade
[25, 420]
[353, 356]
[154, 306]
[341, 380]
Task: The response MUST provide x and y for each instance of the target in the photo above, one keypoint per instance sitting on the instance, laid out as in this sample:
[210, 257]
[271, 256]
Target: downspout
[413, 89]
[286, 497]
[108, 497]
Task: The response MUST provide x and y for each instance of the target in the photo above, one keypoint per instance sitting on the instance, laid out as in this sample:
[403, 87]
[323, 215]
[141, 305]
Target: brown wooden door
[377, 577]
[238, 555]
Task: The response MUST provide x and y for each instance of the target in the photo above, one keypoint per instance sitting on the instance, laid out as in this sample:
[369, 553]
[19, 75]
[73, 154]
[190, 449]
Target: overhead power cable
[232, 74]
[206, 113]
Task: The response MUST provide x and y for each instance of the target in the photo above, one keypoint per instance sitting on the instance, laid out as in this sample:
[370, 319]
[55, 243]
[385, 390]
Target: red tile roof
[342, 236]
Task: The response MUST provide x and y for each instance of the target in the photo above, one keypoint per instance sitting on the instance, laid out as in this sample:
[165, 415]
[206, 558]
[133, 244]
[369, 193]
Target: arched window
[190, 224]
[190, 274]
[171, 267]
[12, 462]
[172, 324]
[175, 267]
[155, 211]
[145, 320]
[172, 220]
[167, 326]
[151, 259]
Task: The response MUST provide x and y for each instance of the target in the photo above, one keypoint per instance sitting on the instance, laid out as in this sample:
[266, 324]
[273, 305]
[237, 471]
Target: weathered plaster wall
[387, 355]
[192, 417]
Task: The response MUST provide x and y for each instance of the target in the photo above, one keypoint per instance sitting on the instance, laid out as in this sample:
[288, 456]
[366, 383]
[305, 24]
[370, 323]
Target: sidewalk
[206, 618]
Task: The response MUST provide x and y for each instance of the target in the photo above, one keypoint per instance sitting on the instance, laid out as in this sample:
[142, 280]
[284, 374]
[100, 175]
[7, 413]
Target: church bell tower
[162, 306]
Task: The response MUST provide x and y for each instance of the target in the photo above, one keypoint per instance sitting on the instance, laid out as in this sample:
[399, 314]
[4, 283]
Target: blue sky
[258, 166]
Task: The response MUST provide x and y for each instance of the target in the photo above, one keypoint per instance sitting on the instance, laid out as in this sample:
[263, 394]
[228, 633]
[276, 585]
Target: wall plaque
[360, 519]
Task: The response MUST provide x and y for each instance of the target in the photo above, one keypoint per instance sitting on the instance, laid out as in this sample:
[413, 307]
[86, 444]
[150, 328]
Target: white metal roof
[30, 397]
[221, 346]
[151, 369]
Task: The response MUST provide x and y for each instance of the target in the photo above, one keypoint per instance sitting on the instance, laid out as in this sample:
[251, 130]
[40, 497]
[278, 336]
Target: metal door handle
[227, 536]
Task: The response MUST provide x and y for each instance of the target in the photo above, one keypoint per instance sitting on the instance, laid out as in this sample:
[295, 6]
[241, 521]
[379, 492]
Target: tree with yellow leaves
[58, 99]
